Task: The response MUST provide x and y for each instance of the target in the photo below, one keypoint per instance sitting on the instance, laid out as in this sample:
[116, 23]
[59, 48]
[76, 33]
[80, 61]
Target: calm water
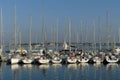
[60, 72]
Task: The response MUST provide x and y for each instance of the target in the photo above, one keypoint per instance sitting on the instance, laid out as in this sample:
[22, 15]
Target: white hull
[111, 60]
[14, 60]
[43, 61]
[72, 61]
[27, 61]
[97, 60]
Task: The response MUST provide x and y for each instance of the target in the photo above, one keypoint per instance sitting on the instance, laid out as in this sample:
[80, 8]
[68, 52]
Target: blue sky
[85, 10]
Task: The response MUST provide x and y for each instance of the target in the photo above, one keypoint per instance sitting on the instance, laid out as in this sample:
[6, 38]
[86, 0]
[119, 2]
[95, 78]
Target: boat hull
[44, 61]
[14, 60]
[27, 61]
[72, 61]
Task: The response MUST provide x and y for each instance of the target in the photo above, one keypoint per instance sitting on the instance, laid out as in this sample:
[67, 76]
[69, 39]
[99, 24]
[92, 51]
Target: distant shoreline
[72, 44]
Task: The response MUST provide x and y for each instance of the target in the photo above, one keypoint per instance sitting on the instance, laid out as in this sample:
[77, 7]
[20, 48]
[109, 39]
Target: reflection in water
[83, 66]
[55, 66]
[14, 67]
[44, 69]
[112, 66]
[72, 66]
[81, 71]
[1, 74]
[112, 69]
[27, 66]
[15, 70]
[97, 65]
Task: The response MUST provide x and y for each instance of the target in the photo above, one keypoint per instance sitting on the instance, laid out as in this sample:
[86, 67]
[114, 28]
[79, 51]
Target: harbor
[59, 40]
[60, 55]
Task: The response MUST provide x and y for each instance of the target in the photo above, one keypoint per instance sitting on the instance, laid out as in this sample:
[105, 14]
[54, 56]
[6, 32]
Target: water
[82, 71]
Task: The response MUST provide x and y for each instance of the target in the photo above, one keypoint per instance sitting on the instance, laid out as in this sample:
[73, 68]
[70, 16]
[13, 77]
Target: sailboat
[14, 57]
[111, 59]
[97, 59]
[26, 59]
[56, 59]
[43, 58]
[71, 59]
[83, 59]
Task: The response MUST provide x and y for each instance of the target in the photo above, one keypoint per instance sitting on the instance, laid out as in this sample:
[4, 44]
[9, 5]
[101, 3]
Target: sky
[57, 12]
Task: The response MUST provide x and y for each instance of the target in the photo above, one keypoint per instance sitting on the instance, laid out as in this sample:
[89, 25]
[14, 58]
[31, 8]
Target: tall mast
[30, 34]
[15, 44]
[107, 31]
[57, 34]
[100, 36]
[69, 25]
[86, 34]
[94, 41]
[43, 24]
[81, 35]
[1, 29]
[86, 29]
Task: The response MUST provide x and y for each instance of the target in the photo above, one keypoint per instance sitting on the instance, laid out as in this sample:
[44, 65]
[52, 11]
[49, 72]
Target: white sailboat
[14, 57]
[56, 60]
[65, 46]
[111, 59]
[97, 60]
[71, 59]
[28, 60]
[43, 60]
[14, 60]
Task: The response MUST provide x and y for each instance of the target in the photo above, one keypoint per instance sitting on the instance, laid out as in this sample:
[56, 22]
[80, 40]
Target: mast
[94, 41]
[81, 37]
[57, 34]
[114, 44]
[30, 47]
[1, 29]
[43, 25]
[86, 34]
[15, 42]
[20, 40]
[107, 31]
[1, 22]
[69, 28]
[100, 36]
